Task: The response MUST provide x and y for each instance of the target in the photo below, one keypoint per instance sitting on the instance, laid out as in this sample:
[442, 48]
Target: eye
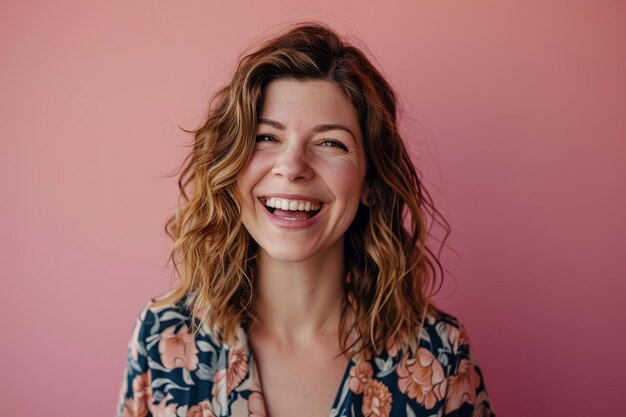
[264, 138]
[334, 143]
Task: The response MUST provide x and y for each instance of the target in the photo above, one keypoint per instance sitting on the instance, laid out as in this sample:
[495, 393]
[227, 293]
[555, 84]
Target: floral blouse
[171, 372]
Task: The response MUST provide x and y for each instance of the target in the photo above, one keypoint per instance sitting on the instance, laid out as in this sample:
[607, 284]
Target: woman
[306, 280]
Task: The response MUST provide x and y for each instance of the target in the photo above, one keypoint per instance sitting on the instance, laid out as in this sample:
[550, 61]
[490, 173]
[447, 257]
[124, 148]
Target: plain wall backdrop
[514, 111]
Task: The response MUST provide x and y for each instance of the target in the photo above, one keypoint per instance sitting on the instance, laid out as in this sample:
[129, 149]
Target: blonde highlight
[391, 271]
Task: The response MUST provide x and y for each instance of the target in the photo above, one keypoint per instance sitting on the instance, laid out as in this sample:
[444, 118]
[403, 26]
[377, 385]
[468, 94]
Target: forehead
[307, 102]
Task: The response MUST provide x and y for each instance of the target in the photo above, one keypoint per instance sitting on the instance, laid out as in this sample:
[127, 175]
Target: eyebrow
[325, 127]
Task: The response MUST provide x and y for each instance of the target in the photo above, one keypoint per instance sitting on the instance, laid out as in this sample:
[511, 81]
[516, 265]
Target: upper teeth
[292, 205]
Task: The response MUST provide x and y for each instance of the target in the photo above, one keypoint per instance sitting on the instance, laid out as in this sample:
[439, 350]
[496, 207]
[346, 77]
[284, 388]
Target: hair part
[392, 272]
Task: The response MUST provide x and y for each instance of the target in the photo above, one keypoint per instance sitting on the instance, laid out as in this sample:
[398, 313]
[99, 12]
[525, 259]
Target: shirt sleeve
[466, 394]
[135, 396]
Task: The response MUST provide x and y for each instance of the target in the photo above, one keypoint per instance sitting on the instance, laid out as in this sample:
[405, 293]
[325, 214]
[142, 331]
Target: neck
[297, 302]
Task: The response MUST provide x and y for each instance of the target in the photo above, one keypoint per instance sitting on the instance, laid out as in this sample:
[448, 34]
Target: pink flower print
[163, 409]
[220, 388]
[256, 405]
[376, 400]
[462, 386]
[226, 380]
[178, 350]
[202, 409]
[142, 397]
[237, 367]
[360, 377]
[422, 378]
[463, 336]
[456, 335]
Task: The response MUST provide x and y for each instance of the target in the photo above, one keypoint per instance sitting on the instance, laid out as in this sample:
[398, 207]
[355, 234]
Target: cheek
[249, 176]
[348, 186]
[347, 180]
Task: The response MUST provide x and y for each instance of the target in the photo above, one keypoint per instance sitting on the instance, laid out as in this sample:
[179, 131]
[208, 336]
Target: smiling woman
[308, 166]
[305, 278]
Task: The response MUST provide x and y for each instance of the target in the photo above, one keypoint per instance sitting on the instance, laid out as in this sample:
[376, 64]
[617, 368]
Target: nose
[293, 164]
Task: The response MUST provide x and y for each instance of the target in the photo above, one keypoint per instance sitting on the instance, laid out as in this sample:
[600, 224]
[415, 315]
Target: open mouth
[291, 209]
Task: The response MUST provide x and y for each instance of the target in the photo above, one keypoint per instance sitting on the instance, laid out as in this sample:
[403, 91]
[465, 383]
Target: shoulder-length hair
[391, 271]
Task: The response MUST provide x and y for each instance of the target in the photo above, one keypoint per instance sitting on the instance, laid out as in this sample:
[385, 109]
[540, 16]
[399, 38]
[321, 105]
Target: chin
[288, 255]
[293, 251]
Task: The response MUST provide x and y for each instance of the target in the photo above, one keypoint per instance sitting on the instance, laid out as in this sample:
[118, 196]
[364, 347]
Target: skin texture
[300, 270]
[295, 159]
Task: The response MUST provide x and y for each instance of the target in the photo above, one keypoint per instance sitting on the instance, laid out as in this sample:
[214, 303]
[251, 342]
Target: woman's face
[302, 186]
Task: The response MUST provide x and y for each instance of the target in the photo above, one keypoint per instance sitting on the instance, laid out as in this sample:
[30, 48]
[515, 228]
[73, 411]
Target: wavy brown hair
[391, 271]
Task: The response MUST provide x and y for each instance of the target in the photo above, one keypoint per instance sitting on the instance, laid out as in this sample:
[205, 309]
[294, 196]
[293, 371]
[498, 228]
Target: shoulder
[153, 321]
[168, 338]
[466, 393]
[441, 342]
[445, 332]
[157, 315]
[174, 348]
[172, 361]
[437, 376]
[159, 320]
[438, 344]
[443, 370]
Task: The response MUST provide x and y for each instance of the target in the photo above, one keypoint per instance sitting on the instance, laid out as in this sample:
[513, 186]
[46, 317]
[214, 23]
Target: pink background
[514, 111]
